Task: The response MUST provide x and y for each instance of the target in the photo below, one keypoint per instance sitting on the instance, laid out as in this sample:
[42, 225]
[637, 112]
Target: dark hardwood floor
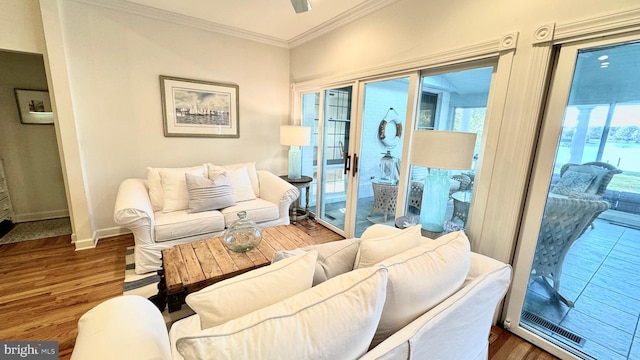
[46, 286]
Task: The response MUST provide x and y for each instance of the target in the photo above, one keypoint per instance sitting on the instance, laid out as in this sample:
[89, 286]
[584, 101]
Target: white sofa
[156, 209]
[456, 327]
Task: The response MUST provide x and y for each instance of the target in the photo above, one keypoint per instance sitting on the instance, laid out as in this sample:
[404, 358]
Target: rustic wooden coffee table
[187, 268]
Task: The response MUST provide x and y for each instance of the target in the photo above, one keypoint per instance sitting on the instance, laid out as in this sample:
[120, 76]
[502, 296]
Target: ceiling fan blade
[301, 6]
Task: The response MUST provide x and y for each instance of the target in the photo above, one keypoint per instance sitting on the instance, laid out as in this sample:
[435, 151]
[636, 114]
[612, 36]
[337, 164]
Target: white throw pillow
[334, 258]
[155, 184]
[174, 188]
[208, 194]
[253, 290]
[375, 250]
[251, 169]
[421, 278]
[240, 184]
[334, 320]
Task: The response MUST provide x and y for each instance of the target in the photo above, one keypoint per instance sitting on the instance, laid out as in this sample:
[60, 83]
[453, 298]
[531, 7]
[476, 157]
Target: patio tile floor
[601, 274]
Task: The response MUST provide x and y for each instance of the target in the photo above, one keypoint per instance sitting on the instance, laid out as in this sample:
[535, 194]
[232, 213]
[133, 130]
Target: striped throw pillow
[208, 194]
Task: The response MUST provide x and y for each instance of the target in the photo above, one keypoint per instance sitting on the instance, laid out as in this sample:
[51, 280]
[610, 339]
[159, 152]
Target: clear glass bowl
[243, 235]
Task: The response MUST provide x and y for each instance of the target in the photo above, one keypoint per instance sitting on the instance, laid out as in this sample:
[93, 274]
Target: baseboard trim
[109, 232]
[85, 244]
[45, 215]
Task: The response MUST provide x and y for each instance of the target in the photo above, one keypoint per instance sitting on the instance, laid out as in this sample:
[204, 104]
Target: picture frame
[34, 106]
[198, 108]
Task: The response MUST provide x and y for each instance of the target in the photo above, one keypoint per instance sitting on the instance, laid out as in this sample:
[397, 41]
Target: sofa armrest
[277, 191]
[134, 211]
[458, 327]
[124, 327]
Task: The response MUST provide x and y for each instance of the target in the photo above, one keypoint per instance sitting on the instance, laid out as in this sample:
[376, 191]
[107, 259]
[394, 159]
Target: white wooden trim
[43, 215]
[487, 49]
[610, 24]
[358, 12]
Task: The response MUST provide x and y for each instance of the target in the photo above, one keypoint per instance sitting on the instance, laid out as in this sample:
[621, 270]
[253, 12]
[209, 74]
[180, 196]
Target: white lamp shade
[451, 150]
[295, 135]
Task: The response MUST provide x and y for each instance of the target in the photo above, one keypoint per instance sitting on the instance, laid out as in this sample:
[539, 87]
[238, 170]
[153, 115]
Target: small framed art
[34, 106]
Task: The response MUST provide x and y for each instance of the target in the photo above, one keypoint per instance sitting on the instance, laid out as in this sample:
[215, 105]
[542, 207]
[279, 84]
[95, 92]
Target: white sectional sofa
[162, 211]
[433, 299]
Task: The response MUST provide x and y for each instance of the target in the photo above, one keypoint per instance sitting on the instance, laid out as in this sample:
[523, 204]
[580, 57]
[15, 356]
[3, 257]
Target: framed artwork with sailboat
[199, 108]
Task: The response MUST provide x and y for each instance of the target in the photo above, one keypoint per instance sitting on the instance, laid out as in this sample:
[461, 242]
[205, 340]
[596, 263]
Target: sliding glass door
[576, 289]
[328, 113]
[381, 133]
[452, 101]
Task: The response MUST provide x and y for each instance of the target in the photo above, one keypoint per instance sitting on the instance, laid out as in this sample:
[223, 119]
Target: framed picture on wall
[34, 106]
[197, 108]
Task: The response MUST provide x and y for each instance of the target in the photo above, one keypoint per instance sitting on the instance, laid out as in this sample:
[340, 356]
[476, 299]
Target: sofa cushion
[334, 258]
[374, 250]
[208, 194]
[420, 278]
[154, 184]
[181, 224]
[251, 170]
[240, 184]
[334, 320]
[253, 290]
[258, 210]
[174, 188]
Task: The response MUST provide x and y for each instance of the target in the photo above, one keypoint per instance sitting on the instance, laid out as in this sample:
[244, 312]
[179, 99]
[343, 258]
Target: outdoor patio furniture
[415, 193]
[601, 174]
[384, 199]
[563, 222]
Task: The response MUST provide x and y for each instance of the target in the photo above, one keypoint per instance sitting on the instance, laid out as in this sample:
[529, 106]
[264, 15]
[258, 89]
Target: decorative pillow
[591, 169]
[208, 194]
[334, 258]
[420, 278]
[155, 184]
[240, 184]
[334, 320]
[174, 188]
[374, 250]
[251, 169]
[573, 181]
[253, 290]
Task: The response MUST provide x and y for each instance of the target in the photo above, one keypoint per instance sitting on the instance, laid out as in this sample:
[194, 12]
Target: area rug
[146, 285]
[40, 229]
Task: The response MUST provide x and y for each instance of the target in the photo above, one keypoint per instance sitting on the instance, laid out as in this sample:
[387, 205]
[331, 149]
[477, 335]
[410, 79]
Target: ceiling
[273, 20]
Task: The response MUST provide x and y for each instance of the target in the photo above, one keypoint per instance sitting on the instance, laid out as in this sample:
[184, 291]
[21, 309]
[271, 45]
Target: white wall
[20, 26]
[30, 152]
[114, 62]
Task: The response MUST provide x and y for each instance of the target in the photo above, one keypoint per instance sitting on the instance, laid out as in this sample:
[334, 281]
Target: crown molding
[357, 12]
[158, 14]
[360, 11]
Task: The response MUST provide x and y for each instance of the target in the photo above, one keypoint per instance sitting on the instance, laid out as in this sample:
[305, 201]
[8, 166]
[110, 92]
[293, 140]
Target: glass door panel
[453, 101]
[582, 292]
[381, 134]
[325, 158]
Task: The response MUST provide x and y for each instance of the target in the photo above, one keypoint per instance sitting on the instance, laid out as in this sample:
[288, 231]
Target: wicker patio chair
[563, 222]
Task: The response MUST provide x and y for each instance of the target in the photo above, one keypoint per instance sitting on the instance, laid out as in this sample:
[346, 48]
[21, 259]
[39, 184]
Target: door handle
[347, 163]
[355, 165]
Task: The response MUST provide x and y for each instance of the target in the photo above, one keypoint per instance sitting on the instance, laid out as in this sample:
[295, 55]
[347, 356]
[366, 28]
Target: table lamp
[439, 151]
[295, 136]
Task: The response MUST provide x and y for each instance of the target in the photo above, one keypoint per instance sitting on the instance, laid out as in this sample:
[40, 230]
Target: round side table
[295, 212]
